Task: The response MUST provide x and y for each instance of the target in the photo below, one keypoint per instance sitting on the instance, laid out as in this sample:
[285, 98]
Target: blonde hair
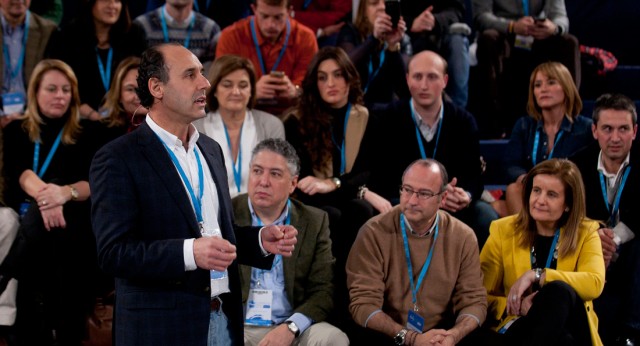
[574, 198]
[32, 117]
[557, 71]
[117, 116]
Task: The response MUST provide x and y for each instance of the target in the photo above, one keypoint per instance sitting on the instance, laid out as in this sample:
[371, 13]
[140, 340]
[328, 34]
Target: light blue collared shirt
[12, 40]
[274, 280]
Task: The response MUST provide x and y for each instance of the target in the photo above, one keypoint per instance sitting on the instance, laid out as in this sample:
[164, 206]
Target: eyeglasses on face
[422, 194]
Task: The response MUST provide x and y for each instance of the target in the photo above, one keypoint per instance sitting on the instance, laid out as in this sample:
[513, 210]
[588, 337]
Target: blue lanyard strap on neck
[197, 202]
[254, 36]
[47, 161]
[418, 134]
[536, 142]
[197, 7]
[18, 68]
[165, 30]
[236, 163]
[525, 7]
[407, 253]
[613, 210]
[105, 75]
[343, 155]
[552, 249]
[372, 73]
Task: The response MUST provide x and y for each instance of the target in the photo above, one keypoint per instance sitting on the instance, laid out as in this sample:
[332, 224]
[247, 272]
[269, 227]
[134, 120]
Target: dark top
[446, 12]
[350, 182]
[69, 164]
[75, 44]
[518, 156]
[390, 81]
[587, 162]
[397, 146]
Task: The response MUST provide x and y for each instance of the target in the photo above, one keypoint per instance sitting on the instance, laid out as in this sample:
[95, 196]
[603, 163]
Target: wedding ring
[513, 298]
[44, 202]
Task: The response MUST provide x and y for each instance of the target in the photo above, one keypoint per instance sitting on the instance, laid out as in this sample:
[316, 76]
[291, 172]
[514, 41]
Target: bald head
[427, 57]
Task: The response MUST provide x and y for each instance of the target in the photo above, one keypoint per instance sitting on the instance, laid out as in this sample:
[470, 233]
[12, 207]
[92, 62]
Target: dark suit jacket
[308, 273]
[141, 217]
[587, 162]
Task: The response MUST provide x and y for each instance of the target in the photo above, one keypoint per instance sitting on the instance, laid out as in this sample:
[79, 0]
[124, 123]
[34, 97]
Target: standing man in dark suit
[163, 220]
[611, 177]
[300, 287]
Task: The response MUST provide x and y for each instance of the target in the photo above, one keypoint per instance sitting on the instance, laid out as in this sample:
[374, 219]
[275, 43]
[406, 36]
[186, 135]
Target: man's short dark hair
[617, 102]
[282, 148]
[152, 65]
[286, 3]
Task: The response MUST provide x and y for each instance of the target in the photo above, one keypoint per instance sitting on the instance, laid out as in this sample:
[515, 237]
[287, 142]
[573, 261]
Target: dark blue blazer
[141, 216]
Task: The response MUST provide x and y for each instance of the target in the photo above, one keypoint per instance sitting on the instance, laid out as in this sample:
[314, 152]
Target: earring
[566, 210]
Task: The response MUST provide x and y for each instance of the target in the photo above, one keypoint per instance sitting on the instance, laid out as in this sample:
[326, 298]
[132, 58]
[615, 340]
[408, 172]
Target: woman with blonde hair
[544, 266]
[47, 157]
[553, 129]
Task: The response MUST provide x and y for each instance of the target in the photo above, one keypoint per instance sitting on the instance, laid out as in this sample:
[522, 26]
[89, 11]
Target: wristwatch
[74, 193]
[538, 273]
[399, 338]
[336, 181]
[293, 328]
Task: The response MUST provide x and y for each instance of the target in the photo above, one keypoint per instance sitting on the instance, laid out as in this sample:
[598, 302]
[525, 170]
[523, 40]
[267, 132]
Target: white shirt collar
[170, 140]
[604, 171]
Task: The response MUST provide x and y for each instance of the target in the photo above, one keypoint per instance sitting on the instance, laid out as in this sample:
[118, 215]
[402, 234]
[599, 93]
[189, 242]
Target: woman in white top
[232, 122]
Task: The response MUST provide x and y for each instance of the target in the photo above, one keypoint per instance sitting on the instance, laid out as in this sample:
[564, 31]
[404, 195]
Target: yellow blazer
[503, 261]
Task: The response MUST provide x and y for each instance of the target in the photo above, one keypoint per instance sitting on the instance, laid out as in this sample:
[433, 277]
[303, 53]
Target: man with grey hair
[293, 298]
[417, 248]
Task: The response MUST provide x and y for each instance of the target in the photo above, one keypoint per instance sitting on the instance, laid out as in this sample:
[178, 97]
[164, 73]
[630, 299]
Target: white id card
[259, 308]
[622, 234]
[12, 103]
[523, 42]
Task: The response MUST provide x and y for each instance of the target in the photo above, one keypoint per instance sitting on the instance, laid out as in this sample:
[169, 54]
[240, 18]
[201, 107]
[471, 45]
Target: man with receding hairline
[163, 221]
[414, 272]
[427, 126]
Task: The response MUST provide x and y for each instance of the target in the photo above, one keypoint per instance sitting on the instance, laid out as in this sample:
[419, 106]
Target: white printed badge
[523, 42]
[12, 103]
[259, 307]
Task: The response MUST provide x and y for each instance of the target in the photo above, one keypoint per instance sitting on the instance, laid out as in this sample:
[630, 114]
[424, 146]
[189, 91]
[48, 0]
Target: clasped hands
[519, 299]
[215, 253]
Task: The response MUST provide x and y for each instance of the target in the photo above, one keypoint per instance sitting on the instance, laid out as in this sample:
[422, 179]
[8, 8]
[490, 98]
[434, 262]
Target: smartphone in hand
[392, 8]
[277, 74]
[539, 19]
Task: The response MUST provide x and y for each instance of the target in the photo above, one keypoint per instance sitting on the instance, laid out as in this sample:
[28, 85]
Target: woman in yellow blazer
[544, 266]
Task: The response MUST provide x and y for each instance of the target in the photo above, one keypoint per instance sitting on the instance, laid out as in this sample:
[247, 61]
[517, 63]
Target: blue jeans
[455, 50]
[219, 334]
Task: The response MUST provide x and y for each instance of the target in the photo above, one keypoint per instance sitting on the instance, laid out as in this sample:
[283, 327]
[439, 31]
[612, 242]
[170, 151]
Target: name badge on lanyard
[259, 308]
[13, 103]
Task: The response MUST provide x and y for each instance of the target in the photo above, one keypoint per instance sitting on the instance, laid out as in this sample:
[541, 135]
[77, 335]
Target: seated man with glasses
[413, 273]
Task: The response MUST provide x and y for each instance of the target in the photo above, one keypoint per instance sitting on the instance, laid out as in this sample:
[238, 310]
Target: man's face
[183, 97]
[270, 181]
[615, 133]
[426, 79]
[15, 8]
[420, 212]
[180, 3]
[271, 20]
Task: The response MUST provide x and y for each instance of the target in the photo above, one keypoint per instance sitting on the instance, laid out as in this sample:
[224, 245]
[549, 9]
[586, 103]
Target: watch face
[293, 328]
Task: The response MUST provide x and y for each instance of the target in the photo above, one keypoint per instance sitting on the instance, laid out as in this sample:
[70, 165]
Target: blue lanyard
[278, 258]
[165, 31]
[419, 135]
[407, 254]
[552, 249]
[254, 36]
[18, 68]
[237, 165]
[372, 73]
[197, 7]
[343, 155]
[306, 4]
[47, 161]
[197, 202]
[105, 75]
[536, 142]
[525, 7]
[616, 202]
